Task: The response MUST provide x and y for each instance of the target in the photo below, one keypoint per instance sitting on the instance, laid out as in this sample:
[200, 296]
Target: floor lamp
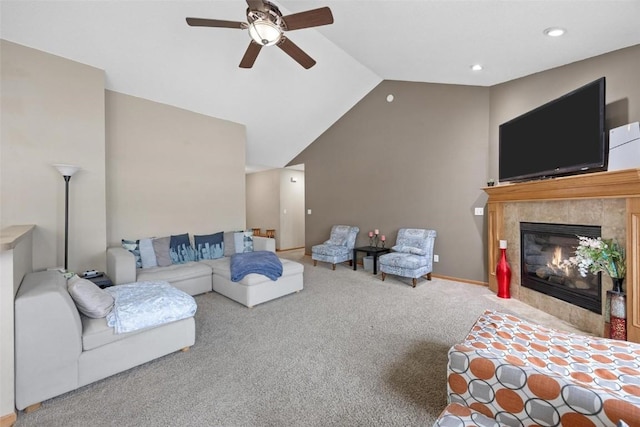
[67, 172]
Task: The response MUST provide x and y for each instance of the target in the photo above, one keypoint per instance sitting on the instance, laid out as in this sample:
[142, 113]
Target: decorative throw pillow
[210, 246]
[133, 247]
[337, 241]
[161, 249]
[147, 254]
[409, 250]
[229, 243]
[89, 298]
[243, 241]
[180, 249]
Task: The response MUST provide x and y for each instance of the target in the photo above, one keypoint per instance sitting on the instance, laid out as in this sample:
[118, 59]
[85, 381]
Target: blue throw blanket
[259, 262]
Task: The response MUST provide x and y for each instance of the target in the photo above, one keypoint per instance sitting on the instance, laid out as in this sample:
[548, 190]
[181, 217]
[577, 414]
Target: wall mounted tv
[565, 136]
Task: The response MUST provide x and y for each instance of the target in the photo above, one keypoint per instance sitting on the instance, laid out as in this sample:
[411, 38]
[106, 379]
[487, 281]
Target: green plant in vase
[595, 255]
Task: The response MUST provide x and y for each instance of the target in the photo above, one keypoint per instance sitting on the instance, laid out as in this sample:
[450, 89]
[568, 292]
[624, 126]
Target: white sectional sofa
[198, 277]
[58, 349]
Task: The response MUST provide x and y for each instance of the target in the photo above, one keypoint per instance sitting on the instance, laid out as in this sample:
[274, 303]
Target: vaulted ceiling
[147, 50]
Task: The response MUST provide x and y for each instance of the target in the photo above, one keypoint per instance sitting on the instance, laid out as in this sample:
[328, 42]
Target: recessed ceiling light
[476, 67]
[390, 98]
[554, 31]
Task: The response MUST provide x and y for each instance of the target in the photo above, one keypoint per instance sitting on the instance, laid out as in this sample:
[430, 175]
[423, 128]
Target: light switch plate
[479, 211]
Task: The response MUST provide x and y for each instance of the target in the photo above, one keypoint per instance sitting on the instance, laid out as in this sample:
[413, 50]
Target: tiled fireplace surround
[608, 213]
[608, 199]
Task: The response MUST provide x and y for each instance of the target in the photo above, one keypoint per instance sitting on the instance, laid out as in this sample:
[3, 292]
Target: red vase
[503, 274]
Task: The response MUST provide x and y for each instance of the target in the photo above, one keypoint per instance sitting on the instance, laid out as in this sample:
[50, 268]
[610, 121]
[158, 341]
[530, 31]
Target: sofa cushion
[222, 267]
[89, 298]
[180, 249]
[133, 247]
[96, 333]
[174, 272]
[210, 246]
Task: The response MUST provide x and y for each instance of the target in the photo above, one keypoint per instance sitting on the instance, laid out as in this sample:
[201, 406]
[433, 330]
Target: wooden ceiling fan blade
[202, 22]
[310, 18]
[291, 49]
[250, 55]
[257, 5]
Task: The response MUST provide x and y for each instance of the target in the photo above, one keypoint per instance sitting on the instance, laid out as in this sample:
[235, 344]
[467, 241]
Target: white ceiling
[147, 50]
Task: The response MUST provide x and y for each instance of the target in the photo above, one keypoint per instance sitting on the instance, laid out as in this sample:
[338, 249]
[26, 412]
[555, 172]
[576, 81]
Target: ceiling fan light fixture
[265, 32]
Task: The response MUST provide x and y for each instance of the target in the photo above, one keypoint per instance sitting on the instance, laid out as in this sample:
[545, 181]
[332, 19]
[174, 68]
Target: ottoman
[255, 289]
[457, 415]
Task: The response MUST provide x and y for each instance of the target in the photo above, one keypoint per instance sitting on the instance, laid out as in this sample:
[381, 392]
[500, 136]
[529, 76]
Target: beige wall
[263, 201]
[171, 171]
[53, 112]
[621, 69]
[269, 195]
[419, 161]
[16, 259]
[159, 170]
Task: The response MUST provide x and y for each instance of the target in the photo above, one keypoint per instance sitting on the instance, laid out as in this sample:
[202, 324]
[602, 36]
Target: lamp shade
[265, 32]
[66, 170]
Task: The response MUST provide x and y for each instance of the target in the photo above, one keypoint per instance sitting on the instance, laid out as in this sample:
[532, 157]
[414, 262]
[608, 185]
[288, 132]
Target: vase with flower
[598, 255]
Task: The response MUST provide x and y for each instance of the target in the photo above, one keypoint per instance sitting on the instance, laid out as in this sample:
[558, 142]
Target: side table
[103, 281]
[373, 251]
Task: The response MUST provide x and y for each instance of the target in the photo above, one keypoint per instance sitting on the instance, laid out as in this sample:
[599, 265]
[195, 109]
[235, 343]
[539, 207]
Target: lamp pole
[67, 178]
[67, 172]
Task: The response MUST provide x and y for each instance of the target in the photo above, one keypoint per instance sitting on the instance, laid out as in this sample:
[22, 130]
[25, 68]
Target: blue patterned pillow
[409, 250]
[147, 253]
[133, 246]
[210, 246]
[180, 249]
[243, 241]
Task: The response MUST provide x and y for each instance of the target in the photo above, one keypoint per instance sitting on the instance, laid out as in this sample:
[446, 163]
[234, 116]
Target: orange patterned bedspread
[523, 374]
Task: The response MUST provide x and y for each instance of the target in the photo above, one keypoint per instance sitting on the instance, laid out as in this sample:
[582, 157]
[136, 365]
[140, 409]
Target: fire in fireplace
[543, 249]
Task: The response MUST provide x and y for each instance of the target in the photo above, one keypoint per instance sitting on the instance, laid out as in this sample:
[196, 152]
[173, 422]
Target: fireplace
[544, 248]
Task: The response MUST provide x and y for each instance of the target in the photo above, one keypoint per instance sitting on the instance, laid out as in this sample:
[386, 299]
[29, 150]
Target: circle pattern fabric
[523, 374]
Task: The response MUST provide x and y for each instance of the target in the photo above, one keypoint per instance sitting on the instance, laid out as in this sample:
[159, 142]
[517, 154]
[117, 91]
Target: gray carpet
[348, 350]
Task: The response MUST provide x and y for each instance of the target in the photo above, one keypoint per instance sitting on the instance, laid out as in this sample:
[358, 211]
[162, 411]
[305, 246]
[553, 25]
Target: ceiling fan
[266, 27]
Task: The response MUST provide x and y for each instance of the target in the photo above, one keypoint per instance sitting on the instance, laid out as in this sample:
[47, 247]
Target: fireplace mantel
[620, 184]
[624, 184]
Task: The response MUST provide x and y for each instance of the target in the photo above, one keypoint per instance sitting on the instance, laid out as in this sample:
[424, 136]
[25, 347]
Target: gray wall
[621, 69]
[419, 161]
[422, 160]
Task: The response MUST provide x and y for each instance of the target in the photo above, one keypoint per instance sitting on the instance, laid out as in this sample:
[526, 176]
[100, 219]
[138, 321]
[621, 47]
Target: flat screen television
[565, 136]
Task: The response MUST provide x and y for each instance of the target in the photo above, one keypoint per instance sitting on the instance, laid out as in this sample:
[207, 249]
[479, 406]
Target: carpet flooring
[348, 350]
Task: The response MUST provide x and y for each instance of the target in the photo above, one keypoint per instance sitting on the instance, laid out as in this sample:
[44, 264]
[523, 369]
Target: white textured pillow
[89, 298]
[243, 241]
